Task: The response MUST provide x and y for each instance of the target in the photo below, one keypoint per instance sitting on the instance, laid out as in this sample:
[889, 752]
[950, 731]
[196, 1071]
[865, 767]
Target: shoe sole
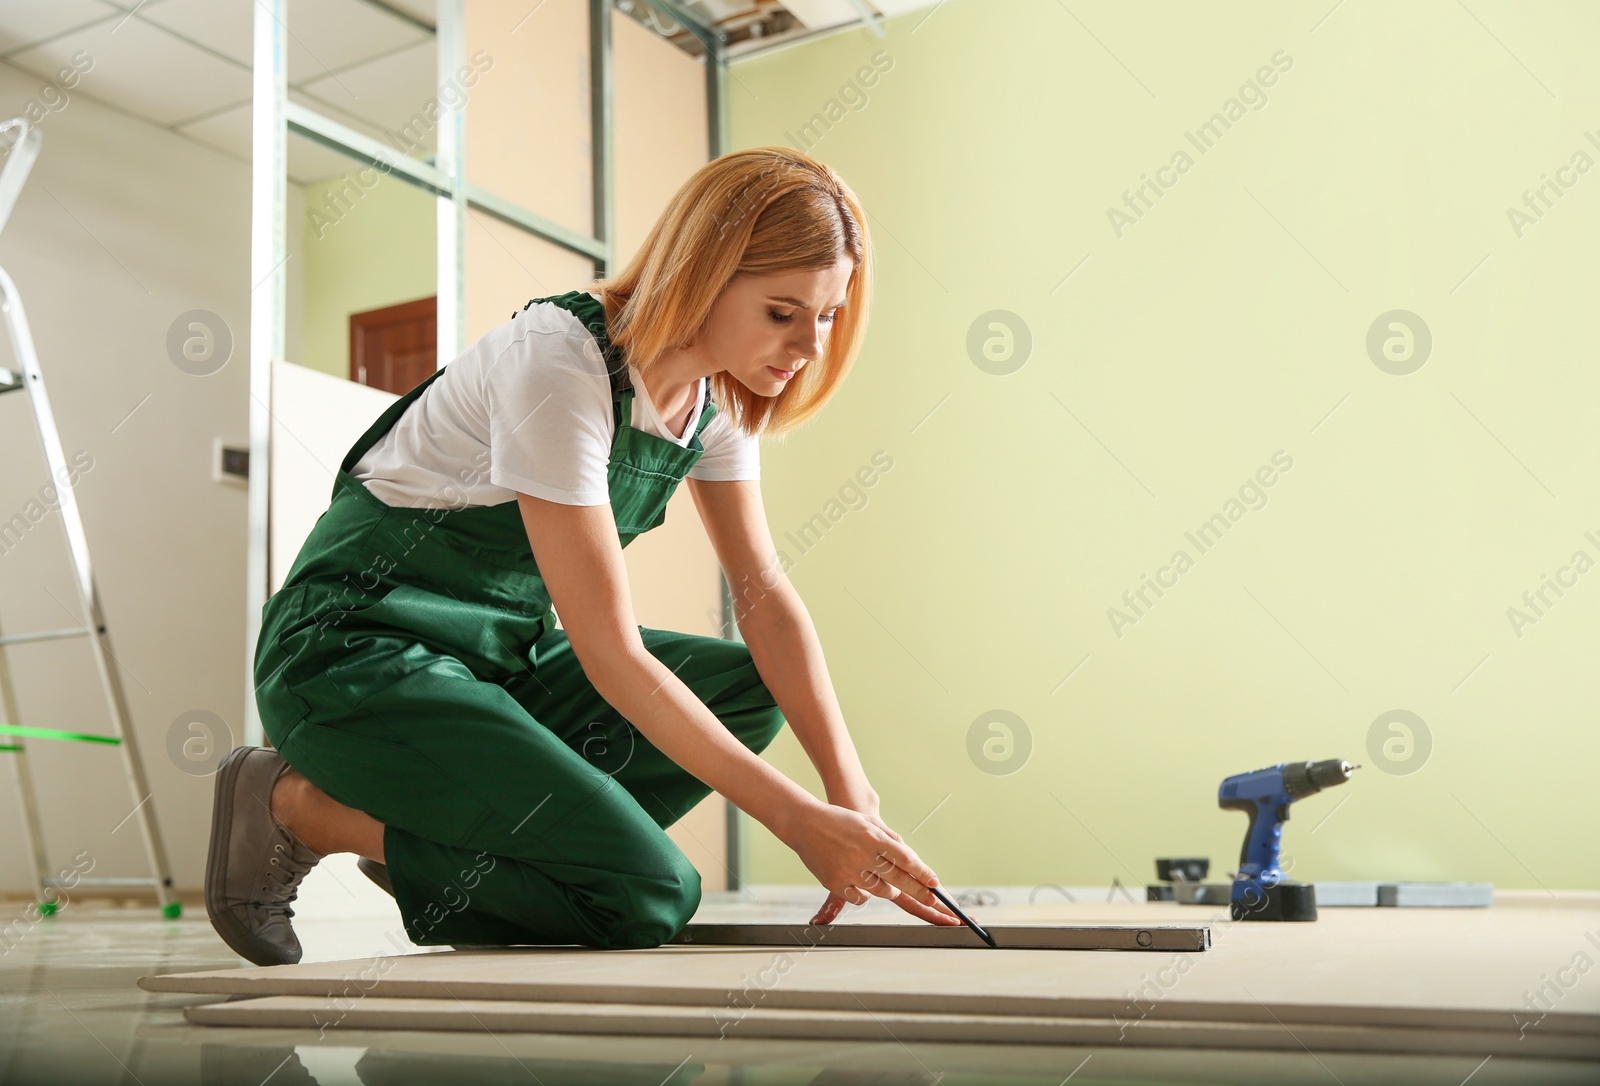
[233, 933]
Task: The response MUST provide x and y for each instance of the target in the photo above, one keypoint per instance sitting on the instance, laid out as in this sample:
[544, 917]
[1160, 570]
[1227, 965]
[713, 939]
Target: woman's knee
[656, 908]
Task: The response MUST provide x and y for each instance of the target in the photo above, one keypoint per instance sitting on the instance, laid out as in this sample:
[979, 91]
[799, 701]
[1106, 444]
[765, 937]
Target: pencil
[965, 919]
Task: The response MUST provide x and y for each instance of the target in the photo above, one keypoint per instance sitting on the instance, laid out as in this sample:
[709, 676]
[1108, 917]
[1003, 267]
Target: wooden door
[395, 348]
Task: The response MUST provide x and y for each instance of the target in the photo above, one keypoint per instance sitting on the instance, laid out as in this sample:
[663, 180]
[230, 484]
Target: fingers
[830, 909]
[910, 863]
[892, 870]
[884, 878]
[940, 915]
[835, 904]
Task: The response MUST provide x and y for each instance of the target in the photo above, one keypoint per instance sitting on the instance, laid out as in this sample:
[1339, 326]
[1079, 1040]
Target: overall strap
[591, 313]
[706, 416]
[386, 420]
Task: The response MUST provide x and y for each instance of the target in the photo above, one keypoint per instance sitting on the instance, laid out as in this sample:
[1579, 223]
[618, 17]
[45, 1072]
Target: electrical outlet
[229, 464]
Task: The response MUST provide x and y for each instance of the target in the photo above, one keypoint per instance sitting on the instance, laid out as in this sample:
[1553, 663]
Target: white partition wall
[315, 419]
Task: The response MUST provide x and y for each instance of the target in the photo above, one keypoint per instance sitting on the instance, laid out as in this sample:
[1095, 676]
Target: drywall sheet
[1441, 969]
[513, 1016]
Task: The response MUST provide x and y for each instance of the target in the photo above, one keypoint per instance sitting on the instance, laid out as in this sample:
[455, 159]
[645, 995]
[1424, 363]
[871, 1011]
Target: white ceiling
[185, 64]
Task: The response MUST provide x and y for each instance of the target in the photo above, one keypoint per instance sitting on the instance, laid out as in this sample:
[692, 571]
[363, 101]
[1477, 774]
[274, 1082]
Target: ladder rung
[69, 884]
[52, 733]
[44, 635]
[10, 380]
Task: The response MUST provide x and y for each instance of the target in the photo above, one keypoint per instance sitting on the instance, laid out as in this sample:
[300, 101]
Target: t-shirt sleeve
[549, 419]
[729, 453]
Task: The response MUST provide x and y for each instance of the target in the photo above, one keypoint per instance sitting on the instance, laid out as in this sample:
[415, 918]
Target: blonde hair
[759, 211]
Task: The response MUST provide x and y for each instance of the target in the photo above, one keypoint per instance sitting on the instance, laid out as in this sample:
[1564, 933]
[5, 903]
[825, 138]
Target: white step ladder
[24, 149]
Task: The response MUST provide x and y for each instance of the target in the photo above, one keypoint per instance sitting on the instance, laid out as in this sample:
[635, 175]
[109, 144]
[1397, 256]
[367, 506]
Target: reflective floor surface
[71, 1013]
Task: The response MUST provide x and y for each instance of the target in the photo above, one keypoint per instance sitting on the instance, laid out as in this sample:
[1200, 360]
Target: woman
[428, 715]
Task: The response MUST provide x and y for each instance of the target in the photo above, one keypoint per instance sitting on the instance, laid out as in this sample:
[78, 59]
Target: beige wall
[528, 141]
[528, 117]
[1168, 367]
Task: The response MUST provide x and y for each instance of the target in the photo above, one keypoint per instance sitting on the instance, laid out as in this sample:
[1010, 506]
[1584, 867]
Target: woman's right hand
[855, 857]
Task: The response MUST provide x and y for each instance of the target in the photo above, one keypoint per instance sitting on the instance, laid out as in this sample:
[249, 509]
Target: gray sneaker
[255, 865]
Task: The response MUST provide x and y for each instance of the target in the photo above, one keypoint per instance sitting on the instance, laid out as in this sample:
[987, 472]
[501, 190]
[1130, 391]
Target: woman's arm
[784, 645]
[579, 557]
[782, 638]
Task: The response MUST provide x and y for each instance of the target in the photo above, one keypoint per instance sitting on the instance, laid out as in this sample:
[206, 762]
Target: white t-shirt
[528, 408]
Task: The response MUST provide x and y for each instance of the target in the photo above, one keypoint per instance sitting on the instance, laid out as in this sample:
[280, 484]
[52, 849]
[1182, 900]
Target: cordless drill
[1259, 889]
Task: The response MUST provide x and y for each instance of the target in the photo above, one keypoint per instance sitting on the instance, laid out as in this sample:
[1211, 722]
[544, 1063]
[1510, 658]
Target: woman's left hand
[867, 806]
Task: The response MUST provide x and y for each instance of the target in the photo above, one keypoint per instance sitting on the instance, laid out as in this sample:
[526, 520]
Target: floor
[70, 1013]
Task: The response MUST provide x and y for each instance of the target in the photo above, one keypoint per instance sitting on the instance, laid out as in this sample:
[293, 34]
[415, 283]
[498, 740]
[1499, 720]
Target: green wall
[368, 241]
[1221, 333]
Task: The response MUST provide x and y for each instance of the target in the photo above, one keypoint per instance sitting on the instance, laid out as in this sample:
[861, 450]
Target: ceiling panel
[386, 92]
[143, 69]
[26, 22]
[229, 132]
[324, 35]
[185, 64]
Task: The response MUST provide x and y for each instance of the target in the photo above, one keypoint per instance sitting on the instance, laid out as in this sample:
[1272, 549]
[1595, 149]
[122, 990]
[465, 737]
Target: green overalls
[410, 668]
